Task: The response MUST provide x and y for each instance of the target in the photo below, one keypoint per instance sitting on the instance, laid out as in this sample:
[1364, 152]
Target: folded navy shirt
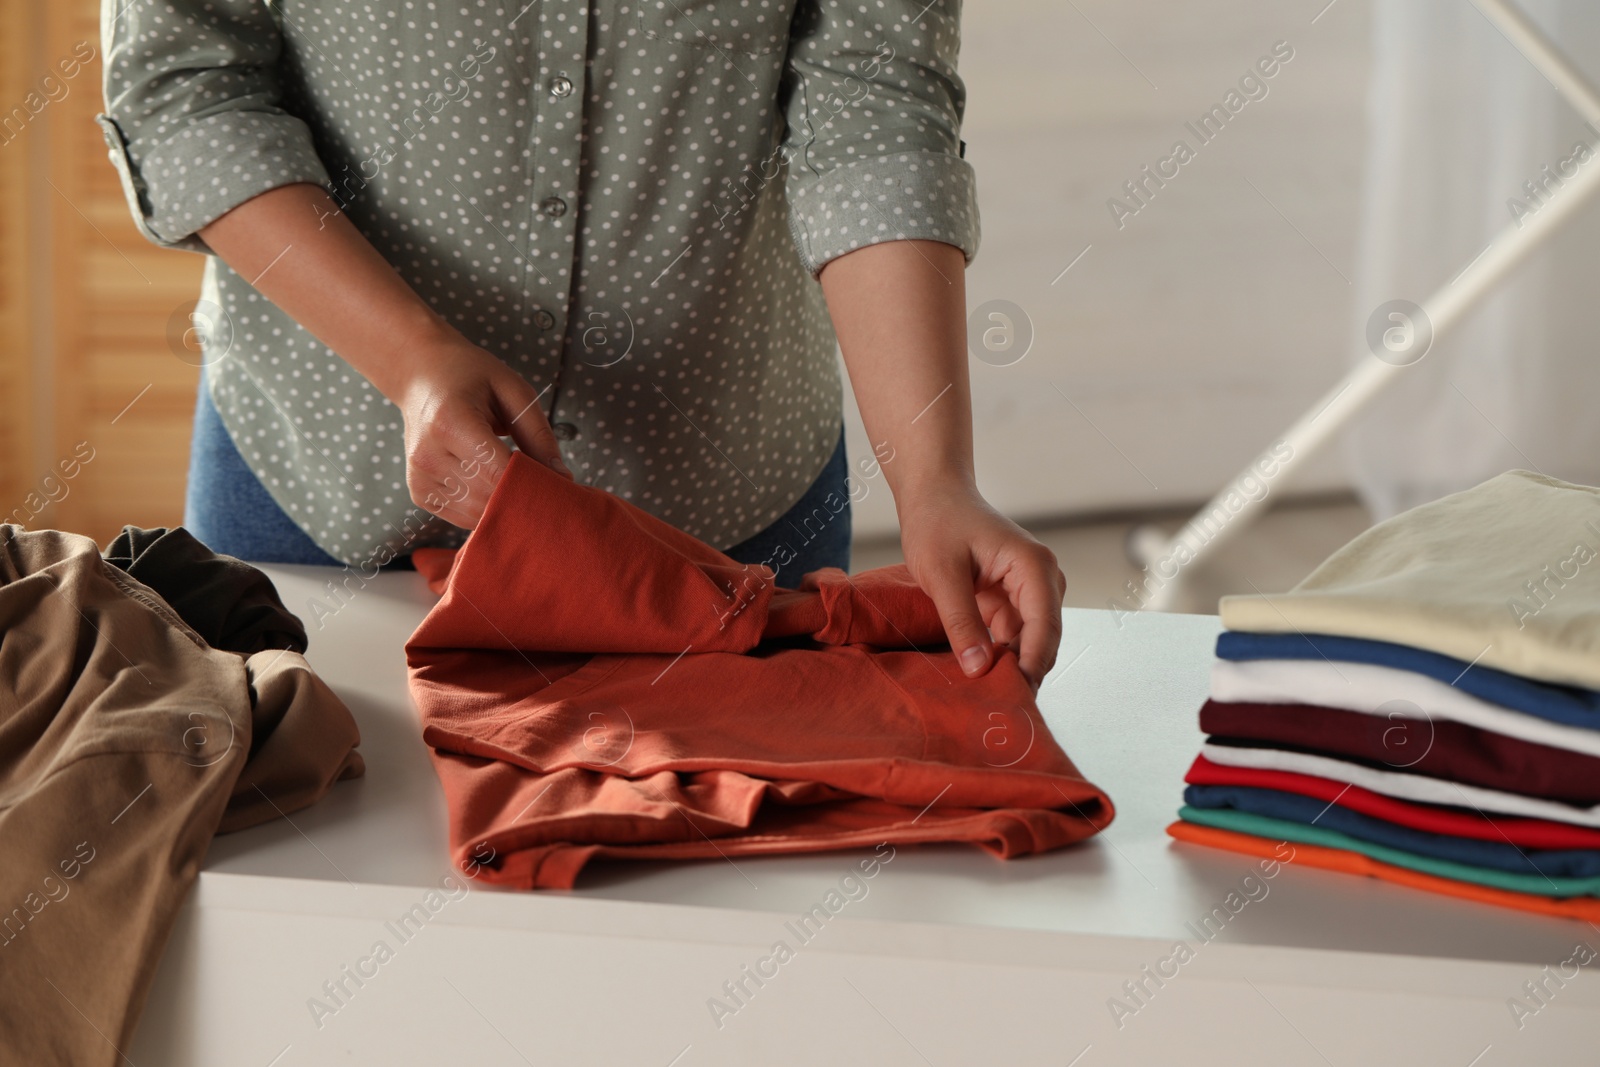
[1557, 703]
[1294, 807]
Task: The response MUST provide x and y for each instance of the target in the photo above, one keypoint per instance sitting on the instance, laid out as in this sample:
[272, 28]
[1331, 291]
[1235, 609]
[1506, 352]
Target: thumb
[523, 420]
[952, 592]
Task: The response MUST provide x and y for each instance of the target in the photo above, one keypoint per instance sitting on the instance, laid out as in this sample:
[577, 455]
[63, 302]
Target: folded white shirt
[1399, 784]
[1384, 691]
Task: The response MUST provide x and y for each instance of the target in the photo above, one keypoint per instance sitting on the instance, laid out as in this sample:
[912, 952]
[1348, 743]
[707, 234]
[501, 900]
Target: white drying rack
[1168, 560]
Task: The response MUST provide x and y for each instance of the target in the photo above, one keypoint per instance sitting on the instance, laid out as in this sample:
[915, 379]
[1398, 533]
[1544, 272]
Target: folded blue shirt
[1557, 703]
[1294, 807]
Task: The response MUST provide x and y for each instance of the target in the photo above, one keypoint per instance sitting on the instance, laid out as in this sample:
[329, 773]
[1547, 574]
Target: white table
[951, 958]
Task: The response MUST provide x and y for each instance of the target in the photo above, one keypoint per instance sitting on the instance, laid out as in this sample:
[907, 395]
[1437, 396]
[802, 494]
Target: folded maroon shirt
[1437, 748]
[595, 682]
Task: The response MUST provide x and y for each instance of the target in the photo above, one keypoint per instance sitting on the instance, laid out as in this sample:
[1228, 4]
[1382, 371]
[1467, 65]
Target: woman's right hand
[457, 403]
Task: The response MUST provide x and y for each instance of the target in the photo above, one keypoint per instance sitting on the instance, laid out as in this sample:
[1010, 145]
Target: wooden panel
[18, 28]
[119, 390]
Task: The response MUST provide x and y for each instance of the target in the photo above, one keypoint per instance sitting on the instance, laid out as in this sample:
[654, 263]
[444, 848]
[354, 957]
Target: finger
[453, 470]
[999, 616]
[517, 407]
[951, 590]
[460, 468]
[1036, 594]
[476, 471]
[1006, 629]
[464, 519]
[440, 500]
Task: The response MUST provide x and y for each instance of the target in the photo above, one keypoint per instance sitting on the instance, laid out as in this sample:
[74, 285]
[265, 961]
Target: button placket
[561, 46]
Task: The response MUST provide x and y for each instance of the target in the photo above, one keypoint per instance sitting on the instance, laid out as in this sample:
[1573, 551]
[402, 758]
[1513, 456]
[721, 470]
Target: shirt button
[554, 206]
[564, 431]
[544, 319]
[560, 86]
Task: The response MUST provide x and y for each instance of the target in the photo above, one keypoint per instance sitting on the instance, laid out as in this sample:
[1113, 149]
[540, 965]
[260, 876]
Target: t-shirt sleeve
[194, 116]
[873, 107]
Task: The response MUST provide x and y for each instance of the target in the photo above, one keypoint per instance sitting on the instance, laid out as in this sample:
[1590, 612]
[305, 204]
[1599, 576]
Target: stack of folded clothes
[1425, 707]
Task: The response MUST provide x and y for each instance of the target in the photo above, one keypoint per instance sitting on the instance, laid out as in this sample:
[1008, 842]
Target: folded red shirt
[1434, 818]
[594, 682]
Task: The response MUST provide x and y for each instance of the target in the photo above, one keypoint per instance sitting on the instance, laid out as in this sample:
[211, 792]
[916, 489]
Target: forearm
[899, 311]
[456, 399]
[293, 244]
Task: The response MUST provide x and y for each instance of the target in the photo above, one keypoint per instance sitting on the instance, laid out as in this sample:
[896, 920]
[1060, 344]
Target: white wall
[1194, 334]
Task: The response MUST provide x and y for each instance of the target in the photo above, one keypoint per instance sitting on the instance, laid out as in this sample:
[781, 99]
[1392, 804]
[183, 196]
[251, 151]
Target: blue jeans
[228, 509]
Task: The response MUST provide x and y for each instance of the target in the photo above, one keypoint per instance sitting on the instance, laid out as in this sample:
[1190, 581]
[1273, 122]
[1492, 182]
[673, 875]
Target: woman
[594, 232]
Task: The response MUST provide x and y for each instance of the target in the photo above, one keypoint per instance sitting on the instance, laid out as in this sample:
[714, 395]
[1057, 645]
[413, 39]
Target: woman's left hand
[899, 309]
[987, 576]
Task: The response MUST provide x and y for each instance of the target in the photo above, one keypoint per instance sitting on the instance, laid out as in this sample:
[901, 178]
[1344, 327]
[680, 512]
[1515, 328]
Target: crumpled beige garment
[125, 744]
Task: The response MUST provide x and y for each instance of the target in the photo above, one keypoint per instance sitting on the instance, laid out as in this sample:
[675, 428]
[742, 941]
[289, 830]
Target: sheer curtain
[1459, 121]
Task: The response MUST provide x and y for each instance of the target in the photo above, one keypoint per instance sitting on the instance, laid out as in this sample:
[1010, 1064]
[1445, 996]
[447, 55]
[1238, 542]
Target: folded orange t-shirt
[1338, 859]
[594, 682]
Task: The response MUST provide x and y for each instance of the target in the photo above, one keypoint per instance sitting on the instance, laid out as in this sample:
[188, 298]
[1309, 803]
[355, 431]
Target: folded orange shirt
[594, 682]
[1338, 859]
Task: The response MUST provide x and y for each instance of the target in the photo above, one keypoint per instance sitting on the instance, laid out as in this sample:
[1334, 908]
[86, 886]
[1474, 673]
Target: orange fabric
[1338, 859]
[434, 565]
[595, 683]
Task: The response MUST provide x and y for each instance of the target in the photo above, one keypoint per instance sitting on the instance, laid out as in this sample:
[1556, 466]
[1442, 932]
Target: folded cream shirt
[1506, 574]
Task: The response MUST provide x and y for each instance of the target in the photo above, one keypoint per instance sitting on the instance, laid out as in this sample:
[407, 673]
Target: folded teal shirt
[1283, 830]
[1473, 852]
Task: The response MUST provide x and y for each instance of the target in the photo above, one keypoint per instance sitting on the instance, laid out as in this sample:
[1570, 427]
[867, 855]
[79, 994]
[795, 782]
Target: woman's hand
[987, 576]
[457, 403]
[899, 309]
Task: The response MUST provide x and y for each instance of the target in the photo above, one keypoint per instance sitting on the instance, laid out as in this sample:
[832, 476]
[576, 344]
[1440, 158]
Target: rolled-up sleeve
[194, 118]
[873, 107]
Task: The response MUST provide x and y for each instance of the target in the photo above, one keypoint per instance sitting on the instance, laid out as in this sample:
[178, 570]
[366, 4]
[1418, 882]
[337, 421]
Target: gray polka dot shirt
[627, 201]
